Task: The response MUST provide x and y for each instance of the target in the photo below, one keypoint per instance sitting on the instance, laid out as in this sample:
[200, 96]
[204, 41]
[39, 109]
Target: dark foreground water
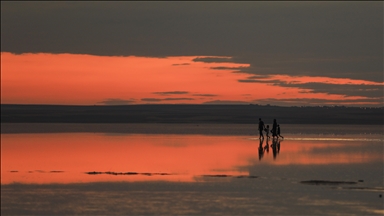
[314, 170]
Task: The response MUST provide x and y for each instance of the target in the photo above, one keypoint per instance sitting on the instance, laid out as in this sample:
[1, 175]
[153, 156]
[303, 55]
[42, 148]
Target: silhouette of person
[274, 128]
[278, 132]
[261, 128]
[267, 131]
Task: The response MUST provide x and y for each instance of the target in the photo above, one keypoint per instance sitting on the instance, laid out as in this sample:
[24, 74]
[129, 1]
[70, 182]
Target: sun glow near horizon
[76, 79]
[73, 157]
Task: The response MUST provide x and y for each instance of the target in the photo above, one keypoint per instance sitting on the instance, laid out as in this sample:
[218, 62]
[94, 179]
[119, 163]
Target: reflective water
[127, 173]
[90, 157]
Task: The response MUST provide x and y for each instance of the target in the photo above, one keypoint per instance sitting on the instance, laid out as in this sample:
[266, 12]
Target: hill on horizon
[186, 113]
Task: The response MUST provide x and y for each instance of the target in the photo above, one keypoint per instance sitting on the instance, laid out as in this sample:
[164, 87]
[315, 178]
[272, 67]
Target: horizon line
[203, 104]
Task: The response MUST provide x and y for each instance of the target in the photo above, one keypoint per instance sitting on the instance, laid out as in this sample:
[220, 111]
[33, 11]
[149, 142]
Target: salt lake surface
[317, 170]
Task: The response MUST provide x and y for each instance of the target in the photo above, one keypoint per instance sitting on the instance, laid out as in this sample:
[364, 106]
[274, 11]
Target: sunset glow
[191, 107]
[66, 157]
[98, 80]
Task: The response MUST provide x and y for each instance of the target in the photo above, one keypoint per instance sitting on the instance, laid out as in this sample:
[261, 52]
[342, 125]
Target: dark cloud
[371, 92]
[164, 99]
[117, 101]
[258, 76]
[176, 99]
[359, 67]
[213, 59]
[334, 39]
[274, 81]
[151, 99]
[318, 102]
[226, 102]
[171, 93]
[181, 64]
[176, 93]
[205, 95]
[227, 68]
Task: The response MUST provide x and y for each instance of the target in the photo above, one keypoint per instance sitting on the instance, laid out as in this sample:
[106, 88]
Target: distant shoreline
[187, 128]
[191, 114]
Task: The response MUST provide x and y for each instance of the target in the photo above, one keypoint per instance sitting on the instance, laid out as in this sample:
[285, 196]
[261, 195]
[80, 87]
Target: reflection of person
[266, 147]
[278, 132]
[261, 128]
[261, 149]
[274, 147]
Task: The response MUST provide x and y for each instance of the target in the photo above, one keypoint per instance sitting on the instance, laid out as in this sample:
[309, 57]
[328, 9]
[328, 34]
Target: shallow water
[337, 172]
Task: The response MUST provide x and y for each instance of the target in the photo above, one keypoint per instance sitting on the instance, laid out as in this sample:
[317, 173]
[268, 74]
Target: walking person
[267, 132]
[261, 128]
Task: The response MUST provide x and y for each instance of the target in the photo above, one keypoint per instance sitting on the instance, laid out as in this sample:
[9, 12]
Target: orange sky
[92, 80]
[31, 158]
